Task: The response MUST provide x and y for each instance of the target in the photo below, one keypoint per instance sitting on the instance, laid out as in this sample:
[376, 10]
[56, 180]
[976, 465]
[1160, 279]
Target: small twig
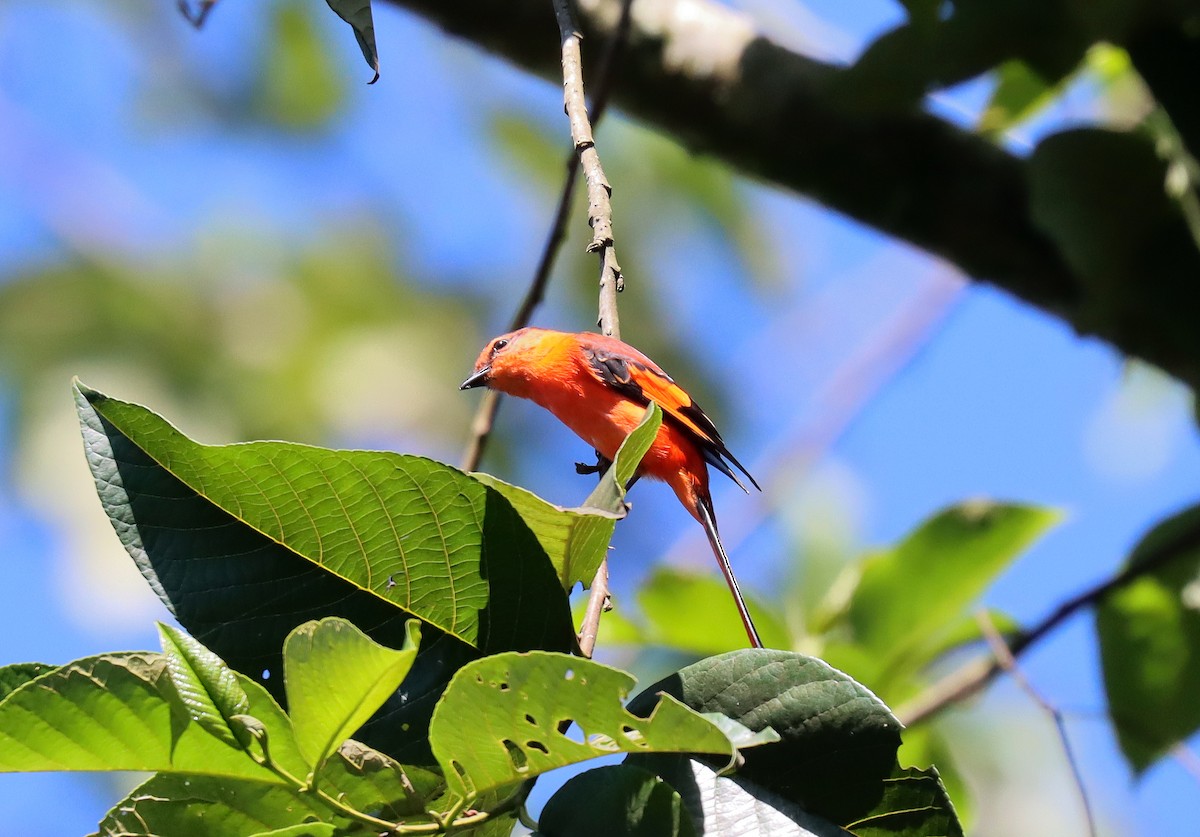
[1008, 662]
[489, 405]
[612, 281]
[976, 674]
[599, 191]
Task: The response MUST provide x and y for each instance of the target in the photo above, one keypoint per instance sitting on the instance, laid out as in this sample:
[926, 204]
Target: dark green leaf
[121, 712]
[1149, 632]
[209, 689]
[20, 673]
[336, 678]
[838, 741]
[914, 804]
[734, 806]
[358, 14]
[618, 800]
[245, 542]
[499, 721]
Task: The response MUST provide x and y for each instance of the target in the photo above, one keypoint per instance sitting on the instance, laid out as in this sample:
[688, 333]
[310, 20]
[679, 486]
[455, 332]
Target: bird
[599, 387]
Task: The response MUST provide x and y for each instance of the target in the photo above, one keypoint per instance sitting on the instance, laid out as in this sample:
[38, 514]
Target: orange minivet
[600, 387]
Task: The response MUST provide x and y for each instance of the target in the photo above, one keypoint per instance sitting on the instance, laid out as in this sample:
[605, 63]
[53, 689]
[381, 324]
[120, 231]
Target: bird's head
[506, 361]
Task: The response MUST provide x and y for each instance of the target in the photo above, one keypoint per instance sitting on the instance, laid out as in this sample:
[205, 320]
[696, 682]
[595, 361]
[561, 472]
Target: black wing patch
[613, 370]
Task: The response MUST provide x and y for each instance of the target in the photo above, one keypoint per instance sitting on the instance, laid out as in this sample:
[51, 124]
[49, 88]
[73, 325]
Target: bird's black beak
[478, 379]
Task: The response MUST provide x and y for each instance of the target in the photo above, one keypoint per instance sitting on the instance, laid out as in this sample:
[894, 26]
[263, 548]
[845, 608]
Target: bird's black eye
[498, 345]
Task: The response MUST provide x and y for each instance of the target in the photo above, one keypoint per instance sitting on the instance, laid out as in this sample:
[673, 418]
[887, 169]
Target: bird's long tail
[709, 521]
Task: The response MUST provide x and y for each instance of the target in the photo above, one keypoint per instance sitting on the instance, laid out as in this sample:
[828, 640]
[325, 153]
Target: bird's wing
[638, 378]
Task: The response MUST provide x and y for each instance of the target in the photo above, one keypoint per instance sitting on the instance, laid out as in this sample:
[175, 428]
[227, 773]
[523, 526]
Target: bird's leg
[603, 463]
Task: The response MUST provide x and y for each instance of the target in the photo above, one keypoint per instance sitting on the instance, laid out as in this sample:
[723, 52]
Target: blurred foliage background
[232, 228]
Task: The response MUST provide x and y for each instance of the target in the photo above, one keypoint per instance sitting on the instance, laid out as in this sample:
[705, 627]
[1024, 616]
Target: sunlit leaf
[121, 712]
[336, 678]
[18, 674]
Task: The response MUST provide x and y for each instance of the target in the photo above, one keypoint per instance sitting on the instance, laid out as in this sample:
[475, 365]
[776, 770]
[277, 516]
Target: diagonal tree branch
[704, 74]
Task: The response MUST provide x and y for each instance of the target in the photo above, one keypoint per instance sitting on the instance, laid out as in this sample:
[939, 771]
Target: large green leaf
[500, 721]
[336, 678]
[912, 595]
[577, 539]
[122, 712]
[244, 542]
[838, 741]
[208, 806]
[617, 800]
[1149, 633]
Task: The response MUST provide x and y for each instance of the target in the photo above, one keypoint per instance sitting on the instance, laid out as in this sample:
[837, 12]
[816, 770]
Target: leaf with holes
[357, 13]
[577, 539]
[244, 542]
[336, 678]
[122, 712]
[209, 689]
[499, 721]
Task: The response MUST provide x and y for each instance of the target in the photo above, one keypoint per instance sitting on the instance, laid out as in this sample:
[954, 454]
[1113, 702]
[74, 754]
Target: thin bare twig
[976, 674]
[1009, 663]
[600, 220]
[489, 405]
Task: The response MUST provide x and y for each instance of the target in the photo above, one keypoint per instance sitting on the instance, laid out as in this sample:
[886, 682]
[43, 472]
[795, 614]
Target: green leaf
[617, 800]
[499, 721]
[209, 689]
[1149, 633]
[734, 806]
[201, 806]
[358, 14]
[914, 804]
[311, 829]
[838, 741]
[609, 495]
[693, 612]
[1020, 92]
[122, 712]
[372, 537]
[911, 595]
[336, 678]
[211, 806]
[18, 674]
[739, 735]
